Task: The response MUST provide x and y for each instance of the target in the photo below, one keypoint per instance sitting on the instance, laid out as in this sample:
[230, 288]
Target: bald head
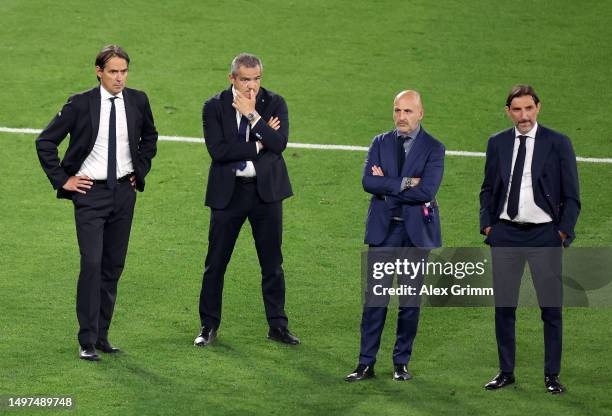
[407, 111]
[409, 95]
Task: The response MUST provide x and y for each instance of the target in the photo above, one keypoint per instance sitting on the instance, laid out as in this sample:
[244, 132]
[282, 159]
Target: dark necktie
[517, 176]
[402, 141]
[242, 130]
[403, 145]
[111, 172]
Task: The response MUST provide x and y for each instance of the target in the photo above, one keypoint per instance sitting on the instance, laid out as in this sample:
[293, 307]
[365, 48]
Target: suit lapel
[260, 102]
[229, 112]
[506, 149]
[418, 147]
[130, 117]
[94, 114]
[389, 154]
[541, 148]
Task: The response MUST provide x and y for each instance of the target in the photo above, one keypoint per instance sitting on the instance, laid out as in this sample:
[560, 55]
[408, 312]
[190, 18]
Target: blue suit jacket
[426, 161]
[553, 172]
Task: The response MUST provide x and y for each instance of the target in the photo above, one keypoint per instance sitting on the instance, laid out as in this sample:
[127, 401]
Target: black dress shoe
[500, 380]
[553, 385]
[362, 372]
[88, 352]
[282, 334]
[400, 372]
[207, 335]
[105, 346]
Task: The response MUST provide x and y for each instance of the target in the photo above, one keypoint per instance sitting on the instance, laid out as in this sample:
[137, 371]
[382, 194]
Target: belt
[121, 179]
[523, 225]
[246, 179]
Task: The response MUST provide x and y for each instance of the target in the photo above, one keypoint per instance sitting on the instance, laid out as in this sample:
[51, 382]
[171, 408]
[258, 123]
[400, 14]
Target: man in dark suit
[403, 172]
[246, 129]
[529, 205]
[112, 142]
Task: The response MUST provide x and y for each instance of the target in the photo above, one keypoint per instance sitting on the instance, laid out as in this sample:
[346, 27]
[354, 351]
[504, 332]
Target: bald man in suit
[403, 172]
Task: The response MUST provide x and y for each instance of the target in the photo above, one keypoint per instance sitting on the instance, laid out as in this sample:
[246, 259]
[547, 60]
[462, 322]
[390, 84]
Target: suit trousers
[103, 222]
[540, 247]
[373, 318]
[225, 224]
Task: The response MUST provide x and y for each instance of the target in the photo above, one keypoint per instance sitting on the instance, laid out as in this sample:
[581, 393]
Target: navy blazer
[553, 172]
[426, 161]
[80, 117]
[225, 149]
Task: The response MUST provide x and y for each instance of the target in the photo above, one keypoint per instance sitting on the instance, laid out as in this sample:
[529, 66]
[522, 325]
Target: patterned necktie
[111, 172]
[242, 130]
[517, 176]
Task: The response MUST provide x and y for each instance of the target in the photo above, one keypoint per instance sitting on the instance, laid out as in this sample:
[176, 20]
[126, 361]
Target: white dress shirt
[528, 211]
[95, 165]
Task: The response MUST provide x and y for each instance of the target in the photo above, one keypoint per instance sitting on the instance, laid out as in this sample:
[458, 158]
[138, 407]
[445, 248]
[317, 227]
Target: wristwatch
[407, 183]
[252, 116]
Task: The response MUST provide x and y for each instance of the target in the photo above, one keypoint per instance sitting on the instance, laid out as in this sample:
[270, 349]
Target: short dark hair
[521, 90]
[108, 52]
[247, 60]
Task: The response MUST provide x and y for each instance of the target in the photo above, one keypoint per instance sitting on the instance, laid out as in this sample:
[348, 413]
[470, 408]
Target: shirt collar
[413, 134]
[105, 95]
[531, 133]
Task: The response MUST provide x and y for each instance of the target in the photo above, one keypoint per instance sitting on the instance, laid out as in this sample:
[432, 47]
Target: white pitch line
[311, 146]
[25, 131]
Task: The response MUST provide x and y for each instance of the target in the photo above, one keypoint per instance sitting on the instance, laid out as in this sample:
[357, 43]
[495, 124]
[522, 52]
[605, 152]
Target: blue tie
[111, 173]
[244, 122]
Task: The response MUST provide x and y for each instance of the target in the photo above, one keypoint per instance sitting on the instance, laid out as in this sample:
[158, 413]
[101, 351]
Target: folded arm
[424, 189]
[274, 140]
[219, 147]
[431, 179]
[376, 184]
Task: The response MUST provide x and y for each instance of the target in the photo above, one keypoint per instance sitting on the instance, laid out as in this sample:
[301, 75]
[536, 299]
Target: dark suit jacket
[221, 134]
[80, 117]
[553, 172]
[425, 161]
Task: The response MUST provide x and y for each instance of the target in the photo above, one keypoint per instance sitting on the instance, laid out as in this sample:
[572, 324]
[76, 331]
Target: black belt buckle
[124, 178]
[521, 225]
[120, 180]
[246, 179]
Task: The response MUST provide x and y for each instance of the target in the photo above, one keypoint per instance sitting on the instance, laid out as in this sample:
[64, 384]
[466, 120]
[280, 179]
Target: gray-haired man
[246, 129]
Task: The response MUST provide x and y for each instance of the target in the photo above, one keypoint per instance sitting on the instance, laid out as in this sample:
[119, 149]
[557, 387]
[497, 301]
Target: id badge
[428, 210]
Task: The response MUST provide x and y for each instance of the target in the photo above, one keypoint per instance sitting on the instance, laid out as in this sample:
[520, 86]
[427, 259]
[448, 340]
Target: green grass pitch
[338, 64]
